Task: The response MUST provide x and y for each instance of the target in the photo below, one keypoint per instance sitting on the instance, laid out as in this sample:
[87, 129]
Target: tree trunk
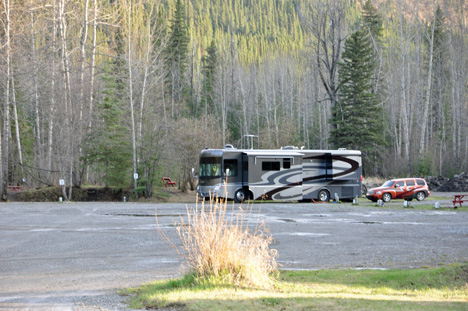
[403, 111]
[84, 38]
[68, 111]
[424, 121]
[130, 85]
[37, 121]
[6, 110]
[17, 129]
[52, 96]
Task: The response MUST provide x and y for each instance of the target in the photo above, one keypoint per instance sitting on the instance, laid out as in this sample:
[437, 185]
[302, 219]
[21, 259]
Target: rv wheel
[240, 196]
[323, 196]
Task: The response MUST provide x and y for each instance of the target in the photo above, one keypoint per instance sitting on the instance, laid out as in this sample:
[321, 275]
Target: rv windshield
[210, 167]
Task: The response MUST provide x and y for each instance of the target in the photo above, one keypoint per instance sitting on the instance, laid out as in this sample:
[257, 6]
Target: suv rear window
[410, 183]
[420, 182]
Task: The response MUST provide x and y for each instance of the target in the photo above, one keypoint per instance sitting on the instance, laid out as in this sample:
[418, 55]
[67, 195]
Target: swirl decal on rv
[275, 193]
[354, 165]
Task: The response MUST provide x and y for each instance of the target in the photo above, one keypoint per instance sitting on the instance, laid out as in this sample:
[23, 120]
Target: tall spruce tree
[372, 21]
[176, 59]
[108, 144]
[210, 62]
[357, 116]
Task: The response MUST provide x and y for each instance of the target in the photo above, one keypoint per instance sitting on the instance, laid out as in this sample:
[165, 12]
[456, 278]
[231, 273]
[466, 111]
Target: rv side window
[232, 166]
[271, 166]
[286, 163]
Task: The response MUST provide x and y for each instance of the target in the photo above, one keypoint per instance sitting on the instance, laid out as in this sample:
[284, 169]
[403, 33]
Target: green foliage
[426, 166]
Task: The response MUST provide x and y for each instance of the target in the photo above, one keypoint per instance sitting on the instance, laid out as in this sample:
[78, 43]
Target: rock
[435, 182]
[459, 183]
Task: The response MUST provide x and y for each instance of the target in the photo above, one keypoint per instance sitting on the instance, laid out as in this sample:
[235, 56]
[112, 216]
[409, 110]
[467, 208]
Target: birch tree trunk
[93, 63]
[403, 110]
[52, 93]
[6, 110]
[424, 121]
[147, 65]
[130, 85]
[37, 121]
[68, 111]
[84, 38]
[17, 128]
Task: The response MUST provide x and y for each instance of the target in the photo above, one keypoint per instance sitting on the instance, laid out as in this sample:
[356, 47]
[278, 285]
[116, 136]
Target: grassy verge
[444, 288]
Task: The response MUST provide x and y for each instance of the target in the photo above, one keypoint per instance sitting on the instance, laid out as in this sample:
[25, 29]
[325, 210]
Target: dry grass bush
[219, 246]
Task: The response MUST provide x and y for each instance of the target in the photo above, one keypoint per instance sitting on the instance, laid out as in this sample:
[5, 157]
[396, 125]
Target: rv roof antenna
[250, 141]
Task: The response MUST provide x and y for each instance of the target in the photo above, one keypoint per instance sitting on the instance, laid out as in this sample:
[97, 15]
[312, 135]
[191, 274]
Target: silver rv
[286, 174]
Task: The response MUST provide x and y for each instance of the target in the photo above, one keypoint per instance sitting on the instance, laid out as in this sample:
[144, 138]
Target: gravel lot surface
[75, 256]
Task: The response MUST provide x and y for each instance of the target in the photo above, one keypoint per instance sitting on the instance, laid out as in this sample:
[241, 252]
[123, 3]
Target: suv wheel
[420, 196]
[386, 197]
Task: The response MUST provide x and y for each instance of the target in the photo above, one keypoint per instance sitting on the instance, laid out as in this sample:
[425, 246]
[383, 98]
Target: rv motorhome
[287, 174]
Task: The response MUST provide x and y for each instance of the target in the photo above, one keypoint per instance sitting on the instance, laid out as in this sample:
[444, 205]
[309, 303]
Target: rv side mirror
[193, 173]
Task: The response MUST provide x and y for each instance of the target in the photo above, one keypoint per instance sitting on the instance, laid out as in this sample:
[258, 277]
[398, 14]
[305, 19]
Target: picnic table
[458, 198]
[167, 181]
[15, 188]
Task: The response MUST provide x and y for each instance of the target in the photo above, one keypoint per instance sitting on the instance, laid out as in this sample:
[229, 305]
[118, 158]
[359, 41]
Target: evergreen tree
[357, 115]
[176, 60]
[372, 21]
[210, 62]
[108, 143]
[440, 71]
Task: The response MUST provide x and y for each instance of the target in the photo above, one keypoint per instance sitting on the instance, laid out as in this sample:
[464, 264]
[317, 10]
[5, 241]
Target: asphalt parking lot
[73, 256]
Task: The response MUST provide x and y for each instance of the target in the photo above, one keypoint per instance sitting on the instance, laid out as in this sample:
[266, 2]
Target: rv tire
[323, 196]
[240, 196]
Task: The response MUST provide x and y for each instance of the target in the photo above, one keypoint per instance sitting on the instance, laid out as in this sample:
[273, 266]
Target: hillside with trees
[96, 91]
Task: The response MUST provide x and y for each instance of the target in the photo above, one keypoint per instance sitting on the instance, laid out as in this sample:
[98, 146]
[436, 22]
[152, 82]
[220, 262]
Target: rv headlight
[379, 192]
[371, 192]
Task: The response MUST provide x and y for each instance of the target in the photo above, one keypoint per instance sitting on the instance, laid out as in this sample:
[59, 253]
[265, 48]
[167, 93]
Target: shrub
[220, 247]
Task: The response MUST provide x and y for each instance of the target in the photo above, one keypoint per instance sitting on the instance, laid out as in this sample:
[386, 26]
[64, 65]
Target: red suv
[403, 188]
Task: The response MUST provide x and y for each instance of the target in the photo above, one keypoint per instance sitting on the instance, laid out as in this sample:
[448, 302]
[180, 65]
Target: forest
[119, 93]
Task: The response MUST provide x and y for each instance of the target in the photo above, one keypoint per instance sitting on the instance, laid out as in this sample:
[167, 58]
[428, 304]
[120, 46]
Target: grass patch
[444, 288]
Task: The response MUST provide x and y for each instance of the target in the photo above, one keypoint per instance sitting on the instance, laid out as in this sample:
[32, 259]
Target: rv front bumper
[210, 191]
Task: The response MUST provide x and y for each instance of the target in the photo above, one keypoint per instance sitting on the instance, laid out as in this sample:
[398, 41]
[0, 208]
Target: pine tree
[372, 21]
[440, 75]
[108, 146]
[372, 24]
[357, 115]
[210, 62]
[176, 60]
